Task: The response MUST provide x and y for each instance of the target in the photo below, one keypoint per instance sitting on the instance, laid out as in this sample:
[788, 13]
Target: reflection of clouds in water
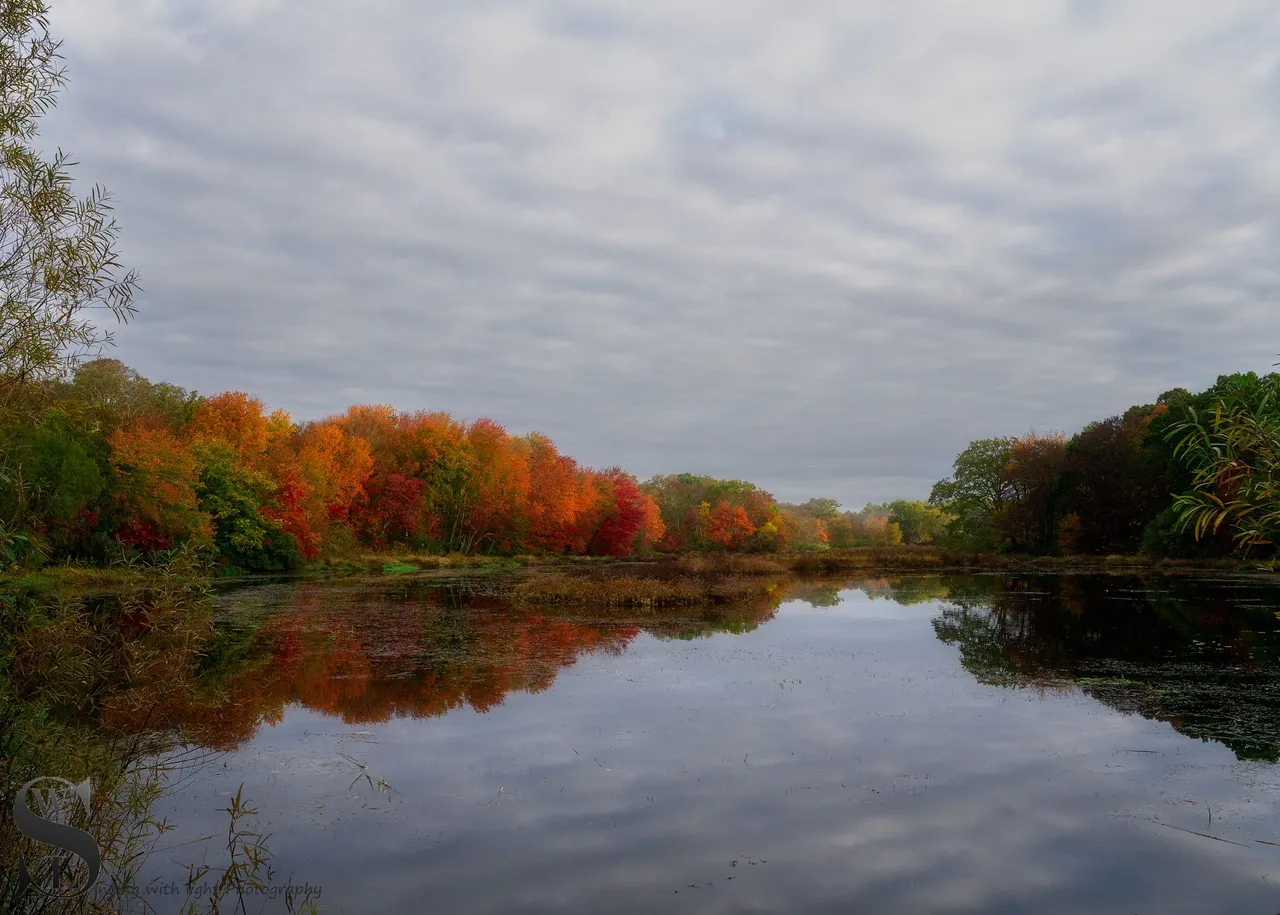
[840, 755]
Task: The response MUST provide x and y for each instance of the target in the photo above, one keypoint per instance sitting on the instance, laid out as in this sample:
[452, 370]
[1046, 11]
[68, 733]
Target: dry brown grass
[869, 560]
[900, 558]
[635, 590]
[732, 564]
[379, 561]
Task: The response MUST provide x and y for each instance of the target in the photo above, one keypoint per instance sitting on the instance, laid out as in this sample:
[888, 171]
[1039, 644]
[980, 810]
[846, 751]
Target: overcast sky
[817, 245]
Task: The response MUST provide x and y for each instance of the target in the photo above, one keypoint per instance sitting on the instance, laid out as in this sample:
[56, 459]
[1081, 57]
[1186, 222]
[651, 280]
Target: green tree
[57, 251]
[52, 475]
[112, 395]
[64, 475]
[233, 496]
[976, 491]
[919, 522]
[826, 509]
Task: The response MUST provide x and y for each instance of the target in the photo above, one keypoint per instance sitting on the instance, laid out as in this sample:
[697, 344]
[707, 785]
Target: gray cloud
[820, 247]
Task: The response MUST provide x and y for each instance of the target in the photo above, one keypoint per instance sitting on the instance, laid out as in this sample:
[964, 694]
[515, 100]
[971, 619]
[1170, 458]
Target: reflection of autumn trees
[1202, 655]
[1186, 652]
[374, 652]
[420, 658]
[1199, 655]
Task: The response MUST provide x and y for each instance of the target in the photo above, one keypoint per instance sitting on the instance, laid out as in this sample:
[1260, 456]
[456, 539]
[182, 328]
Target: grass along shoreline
[856, 559]
[711, 578]
[642, 572]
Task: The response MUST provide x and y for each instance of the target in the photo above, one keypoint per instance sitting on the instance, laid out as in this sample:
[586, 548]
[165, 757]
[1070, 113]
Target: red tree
[624, 519]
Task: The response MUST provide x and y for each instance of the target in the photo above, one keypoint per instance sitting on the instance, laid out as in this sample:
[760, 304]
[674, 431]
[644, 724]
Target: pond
[1002, 744]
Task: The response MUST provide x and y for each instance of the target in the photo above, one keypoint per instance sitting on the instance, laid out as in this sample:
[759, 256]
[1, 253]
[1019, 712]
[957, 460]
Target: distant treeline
[105, 465]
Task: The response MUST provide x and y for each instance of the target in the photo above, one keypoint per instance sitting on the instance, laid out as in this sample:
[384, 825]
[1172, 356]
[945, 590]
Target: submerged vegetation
[661, 587]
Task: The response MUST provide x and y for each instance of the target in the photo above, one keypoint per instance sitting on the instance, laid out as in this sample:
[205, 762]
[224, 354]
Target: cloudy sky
[819, 245]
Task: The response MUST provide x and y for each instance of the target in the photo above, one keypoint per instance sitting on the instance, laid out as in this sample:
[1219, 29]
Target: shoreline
[866, 560]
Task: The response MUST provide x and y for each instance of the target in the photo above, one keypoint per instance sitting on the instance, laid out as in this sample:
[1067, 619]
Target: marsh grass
[125, 571]
[733, 564]
[635, 590]
[710, 578]
[867, 560]
[376, 562]
[130, 570]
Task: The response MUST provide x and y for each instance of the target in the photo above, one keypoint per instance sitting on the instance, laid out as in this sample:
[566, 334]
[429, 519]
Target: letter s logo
[53, 800]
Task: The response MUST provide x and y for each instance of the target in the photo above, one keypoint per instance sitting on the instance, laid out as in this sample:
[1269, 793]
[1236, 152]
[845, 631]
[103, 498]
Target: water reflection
[918, 744]
[370, 651]
[1199, 654]
[913, 745]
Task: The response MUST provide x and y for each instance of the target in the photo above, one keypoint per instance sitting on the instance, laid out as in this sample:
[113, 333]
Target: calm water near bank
[1036, 744]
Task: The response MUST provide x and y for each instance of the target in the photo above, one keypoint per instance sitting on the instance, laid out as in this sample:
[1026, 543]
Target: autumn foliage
[106, 463]
[225, 474]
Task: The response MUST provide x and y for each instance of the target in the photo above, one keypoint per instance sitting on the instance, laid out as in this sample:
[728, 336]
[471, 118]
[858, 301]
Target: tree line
[1191, 475]
[103, 463]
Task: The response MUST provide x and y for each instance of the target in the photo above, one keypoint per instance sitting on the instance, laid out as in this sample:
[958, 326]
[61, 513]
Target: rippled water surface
[984, 744]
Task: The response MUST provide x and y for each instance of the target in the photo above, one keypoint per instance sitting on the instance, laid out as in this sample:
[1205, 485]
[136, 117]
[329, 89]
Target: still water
[1036, 744]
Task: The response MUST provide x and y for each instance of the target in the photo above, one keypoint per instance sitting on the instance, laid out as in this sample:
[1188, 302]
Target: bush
[1162, 537]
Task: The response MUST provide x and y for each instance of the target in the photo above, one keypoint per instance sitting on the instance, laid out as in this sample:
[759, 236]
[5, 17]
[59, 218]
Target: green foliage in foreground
[1234, 456]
